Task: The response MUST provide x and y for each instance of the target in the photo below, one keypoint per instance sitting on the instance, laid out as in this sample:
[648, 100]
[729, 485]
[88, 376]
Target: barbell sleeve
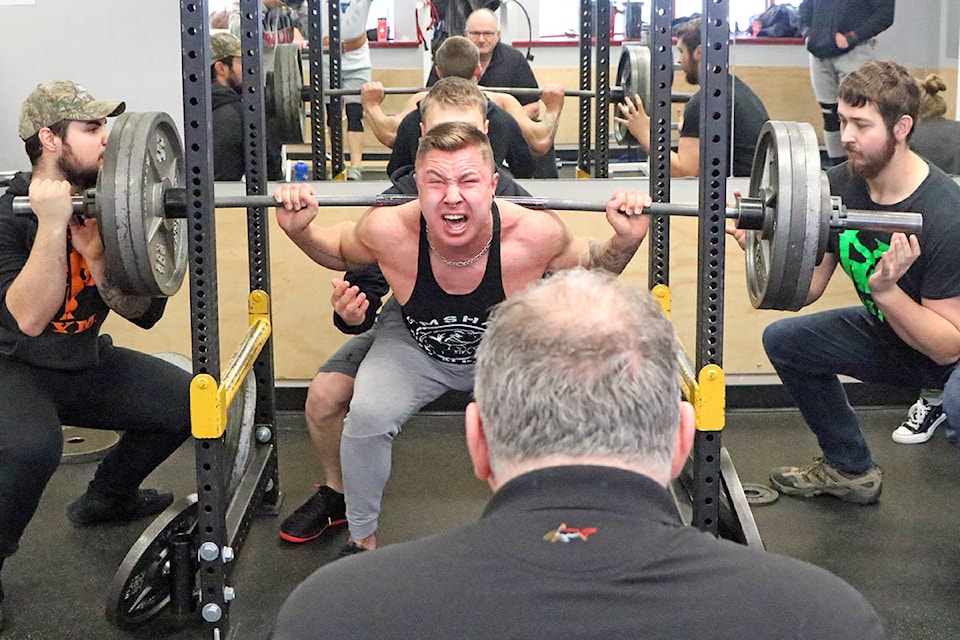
[868, 220]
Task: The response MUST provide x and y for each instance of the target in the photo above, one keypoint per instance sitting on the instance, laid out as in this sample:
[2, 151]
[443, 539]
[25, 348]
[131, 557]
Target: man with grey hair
[578, 425]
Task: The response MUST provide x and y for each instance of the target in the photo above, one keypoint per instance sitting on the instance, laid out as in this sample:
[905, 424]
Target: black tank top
[447, 326]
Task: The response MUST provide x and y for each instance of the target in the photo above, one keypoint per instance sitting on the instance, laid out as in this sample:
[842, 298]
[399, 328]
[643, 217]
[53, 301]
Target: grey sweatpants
[395, 380]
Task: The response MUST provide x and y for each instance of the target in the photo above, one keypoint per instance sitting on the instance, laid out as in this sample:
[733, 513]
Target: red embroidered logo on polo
[563, 533]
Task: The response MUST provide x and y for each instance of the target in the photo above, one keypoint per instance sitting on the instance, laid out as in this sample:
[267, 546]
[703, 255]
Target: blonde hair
[455, 92]
[932, 104]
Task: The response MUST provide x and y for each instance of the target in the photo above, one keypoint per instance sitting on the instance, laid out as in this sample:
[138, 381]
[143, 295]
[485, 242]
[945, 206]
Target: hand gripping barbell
[788, 212]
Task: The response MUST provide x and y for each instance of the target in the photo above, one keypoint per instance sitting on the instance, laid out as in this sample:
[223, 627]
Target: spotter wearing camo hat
[224, 45]
[59, 100]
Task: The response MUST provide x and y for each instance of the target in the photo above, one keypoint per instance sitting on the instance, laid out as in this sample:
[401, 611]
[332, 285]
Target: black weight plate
[633, 77]
[141, 587]
[767, 249]
[288, 95]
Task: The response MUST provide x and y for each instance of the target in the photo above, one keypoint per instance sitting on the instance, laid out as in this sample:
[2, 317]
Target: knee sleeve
[831, 122]
[354, 116]
[330, 114]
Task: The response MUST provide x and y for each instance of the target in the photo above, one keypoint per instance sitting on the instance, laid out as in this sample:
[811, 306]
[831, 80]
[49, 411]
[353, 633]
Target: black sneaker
[325, 509]
[923, 418]
[93, 508]
[350, 549]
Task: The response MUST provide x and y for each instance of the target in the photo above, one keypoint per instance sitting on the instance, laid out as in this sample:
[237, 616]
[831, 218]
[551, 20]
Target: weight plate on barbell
[287, 94]
[145, 253]
[633, 76]
[807, 207]
[142, 585]
[766, 249]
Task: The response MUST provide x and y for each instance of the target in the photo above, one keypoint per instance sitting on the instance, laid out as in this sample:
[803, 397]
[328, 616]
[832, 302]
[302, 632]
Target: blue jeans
[809, 352]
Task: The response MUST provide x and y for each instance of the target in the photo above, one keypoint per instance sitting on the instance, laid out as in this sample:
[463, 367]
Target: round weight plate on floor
[288, 95]
[145, 252]
[141, 587]
[633, 76]
[760, 494]
[86, 445]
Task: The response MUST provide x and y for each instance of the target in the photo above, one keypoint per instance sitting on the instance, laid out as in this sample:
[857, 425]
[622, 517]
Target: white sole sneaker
[905, 435]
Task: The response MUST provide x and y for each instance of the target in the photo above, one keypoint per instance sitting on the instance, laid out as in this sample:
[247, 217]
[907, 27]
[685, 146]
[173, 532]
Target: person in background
[226, 73]
[284, 22]
[840, 36]
[501, 65]
[578, 426]
[748, 115]
[355, 70]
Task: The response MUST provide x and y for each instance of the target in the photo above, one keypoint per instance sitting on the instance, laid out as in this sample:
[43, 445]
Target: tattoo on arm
[130, 307]
[605, 256]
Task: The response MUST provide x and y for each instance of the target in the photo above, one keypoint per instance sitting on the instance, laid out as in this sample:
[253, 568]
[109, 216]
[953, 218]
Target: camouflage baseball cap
[59, 100]
[224, 45]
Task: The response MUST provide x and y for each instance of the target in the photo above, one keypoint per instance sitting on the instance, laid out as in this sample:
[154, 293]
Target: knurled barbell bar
[140, 204]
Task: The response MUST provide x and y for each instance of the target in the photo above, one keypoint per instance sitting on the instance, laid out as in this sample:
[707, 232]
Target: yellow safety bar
[706, 392]
[208, 401]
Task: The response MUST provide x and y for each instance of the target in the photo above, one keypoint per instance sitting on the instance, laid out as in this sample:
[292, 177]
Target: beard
[692, 76]
[235, 83]
[81, 177]
[869, 167]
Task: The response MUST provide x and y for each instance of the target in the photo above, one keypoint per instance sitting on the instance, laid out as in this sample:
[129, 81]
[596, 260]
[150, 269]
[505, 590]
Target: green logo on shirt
[859, 254]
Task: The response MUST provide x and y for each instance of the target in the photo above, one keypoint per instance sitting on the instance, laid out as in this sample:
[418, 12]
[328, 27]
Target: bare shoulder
[383, 226]
[530, 226]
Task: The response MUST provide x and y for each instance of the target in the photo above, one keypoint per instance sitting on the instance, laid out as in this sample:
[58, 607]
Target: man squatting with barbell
[56, 368]
[907, 332]
[356, 300]
[448, 257]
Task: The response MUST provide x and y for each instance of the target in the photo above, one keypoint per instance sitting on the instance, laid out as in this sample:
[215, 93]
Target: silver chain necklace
[459, 263]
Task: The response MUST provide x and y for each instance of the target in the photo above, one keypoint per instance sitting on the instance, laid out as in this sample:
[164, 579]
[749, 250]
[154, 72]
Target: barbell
[140, 204]
[285, 93]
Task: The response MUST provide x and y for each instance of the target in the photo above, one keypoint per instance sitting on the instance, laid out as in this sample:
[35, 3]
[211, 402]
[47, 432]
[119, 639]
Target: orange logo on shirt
[80, 279]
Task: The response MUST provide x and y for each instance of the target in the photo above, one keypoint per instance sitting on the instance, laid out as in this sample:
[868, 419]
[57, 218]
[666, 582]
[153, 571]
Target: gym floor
[901, 553]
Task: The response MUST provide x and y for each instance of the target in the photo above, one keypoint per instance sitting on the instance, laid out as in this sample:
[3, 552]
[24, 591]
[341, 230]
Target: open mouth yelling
[454, 222]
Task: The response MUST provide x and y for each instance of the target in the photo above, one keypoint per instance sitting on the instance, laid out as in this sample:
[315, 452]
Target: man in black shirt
[578, 426]
[55, 294]
[501, 64]
[748, 114]
[509, 146]
[226, 74]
